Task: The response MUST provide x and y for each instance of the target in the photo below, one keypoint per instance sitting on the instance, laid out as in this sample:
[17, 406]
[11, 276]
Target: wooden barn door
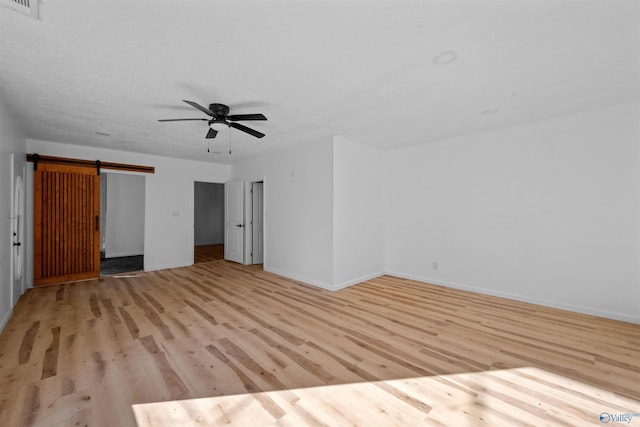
[66, 223]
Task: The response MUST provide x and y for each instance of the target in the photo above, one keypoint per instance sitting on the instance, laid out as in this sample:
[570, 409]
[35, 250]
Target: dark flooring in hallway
[119, 265]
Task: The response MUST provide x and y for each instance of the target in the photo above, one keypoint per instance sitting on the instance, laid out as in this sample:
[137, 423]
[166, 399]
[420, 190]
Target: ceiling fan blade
[199, 107]
[236, 117]
[246, 129]
[178, 120]
[212, 133]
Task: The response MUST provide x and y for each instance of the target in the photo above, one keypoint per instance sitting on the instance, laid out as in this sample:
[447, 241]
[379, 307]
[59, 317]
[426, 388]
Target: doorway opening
[122, 208]
[208, 222]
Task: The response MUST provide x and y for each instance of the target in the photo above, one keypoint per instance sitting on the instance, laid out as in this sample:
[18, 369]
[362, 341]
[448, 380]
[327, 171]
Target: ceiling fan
[220, 119]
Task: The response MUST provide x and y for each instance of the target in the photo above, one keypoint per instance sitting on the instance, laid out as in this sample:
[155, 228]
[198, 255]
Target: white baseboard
[352, 282]
[522, 298]
[326, 286]
[302, 279]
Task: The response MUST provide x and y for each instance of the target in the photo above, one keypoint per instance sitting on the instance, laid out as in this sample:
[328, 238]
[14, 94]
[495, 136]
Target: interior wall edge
[522, 298]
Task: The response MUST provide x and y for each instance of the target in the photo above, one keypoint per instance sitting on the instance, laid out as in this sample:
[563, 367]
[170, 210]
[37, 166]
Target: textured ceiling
[316, 69]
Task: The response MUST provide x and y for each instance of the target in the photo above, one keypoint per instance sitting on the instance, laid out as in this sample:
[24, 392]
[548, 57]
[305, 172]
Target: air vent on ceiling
[28, 7]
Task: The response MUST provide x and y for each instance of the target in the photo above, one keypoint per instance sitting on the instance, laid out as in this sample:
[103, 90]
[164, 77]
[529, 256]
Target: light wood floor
[220, 343]
[206, 253]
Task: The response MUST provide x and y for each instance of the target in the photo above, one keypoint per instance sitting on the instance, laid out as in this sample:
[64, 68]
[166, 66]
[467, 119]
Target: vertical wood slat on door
[66, 208]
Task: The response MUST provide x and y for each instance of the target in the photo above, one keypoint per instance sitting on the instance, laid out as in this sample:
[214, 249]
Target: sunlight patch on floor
[499, 397]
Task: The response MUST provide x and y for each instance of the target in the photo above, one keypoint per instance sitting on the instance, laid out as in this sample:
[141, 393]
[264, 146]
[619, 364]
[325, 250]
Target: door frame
[248, 213]
[18, 162]
[232, 227]
[252, 222]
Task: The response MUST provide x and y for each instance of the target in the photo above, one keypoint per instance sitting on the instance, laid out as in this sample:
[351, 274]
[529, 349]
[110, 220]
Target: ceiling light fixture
[219, 126]
[445, 58]
[489, 111]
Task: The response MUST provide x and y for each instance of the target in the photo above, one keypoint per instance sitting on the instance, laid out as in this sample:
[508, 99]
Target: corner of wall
[358, 223]
[358, 280]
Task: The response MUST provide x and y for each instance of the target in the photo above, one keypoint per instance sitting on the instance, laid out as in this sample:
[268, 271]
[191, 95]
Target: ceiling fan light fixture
[219, 126]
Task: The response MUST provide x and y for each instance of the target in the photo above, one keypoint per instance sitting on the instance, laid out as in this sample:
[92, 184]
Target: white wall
[209, 213]
[124, 222]
[323, 218]
[546, 212]
[298, 204]
[168, 198]
[12, 141]
[358, 219]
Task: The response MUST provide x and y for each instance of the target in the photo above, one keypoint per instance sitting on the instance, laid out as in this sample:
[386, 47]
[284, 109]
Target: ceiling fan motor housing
[219, 109]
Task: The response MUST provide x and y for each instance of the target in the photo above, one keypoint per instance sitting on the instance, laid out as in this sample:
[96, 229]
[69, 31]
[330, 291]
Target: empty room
[333, 213]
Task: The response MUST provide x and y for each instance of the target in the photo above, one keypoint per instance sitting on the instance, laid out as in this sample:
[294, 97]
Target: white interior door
[257, 223]
[17, 229]
[234, 221]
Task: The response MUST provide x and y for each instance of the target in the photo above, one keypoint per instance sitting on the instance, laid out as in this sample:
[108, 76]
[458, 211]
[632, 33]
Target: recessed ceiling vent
[27, 7]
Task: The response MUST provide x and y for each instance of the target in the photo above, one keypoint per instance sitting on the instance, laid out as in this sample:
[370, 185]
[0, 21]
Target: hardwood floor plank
[406, 398]
[24, 353]
[174, 384]
[132, 326]
[95, 308]
[154, 302]
[205, 315]
[312, 367]
[249, 363]
[50, 362]
[31, 405]
[111, 311]
[265, 401]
